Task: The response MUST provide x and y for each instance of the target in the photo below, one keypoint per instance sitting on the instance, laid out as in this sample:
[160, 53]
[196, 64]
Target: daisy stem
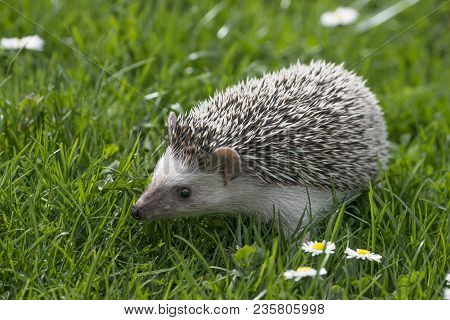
[361, 269]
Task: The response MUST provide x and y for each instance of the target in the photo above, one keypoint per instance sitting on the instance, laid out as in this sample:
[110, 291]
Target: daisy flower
[362, 254]
[35, 43]
[447, 294]
[316, 248]
[341, 16]
[447, 278]
[303, 272]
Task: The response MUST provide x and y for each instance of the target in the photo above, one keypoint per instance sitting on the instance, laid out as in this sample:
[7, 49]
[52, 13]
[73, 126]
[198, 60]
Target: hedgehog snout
[154, 203]
[136, 212]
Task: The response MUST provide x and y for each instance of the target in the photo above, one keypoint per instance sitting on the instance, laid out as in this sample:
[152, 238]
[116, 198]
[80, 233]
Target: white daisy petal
[290, 274]
[303, 272]
[341, 16]
[10, 43]
[323, 272]
[362, 254]
[330, 248]
[350, 253]
[316, 248]
[447, 294]
[447, 278]
[35, 43]
[375, 257]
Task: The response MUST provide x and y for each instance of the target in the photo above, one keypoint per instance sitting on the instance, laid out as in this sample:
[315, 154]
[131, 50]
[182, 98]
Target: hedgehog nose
[135, 212]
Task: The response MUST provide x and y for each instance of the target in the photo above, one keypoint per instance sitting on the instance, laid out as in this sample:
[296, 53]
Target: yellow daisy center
[300, 269]
[318, 246]
[362, 251]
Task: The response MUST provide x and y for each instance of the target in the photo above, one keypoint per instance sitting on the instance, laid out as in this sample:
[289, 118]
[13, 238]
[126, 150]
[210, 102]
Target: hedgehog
[291, 142]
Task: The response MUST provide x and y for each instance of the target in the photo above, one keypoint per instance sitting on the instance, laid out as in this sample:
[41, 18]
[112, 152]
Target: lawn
[82, 124]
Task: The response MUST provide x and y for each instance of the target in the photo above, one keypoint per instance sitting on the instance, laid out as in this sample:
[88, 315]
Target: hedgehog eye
[184, 192]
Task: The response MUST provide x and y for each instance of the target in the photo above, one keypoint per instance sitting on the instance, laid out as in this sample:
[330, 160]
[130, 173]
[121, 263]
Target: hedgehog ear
[229, 162]
[171, 121]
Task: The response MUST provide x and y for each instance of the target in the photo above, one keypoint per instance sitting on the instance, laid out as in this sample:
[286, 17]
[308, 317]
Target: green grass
[78, 143]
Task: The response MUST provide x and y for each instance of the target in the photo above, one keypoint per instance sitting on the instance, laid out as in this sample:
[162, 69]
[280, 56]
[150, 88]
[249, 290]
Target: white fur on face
[208, 192]
[167, 168]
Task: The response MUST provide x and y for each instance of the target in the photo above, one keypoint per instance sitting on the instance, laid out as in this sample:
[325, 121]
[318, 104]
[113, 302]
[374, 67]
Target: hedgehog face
[179, 191]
